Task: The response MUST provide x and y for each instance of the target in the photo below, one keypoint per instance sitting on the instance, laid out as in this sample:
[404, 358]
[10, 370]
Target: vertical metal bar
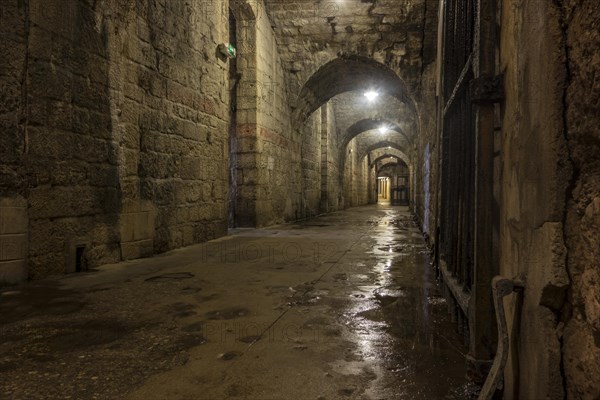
[464, 169]
[482, 324]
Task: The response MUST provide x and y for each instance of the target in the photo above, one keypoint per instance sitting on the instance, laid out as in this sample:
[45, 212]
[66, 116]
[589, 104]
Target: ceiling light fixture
[383, 130]
[371, 95]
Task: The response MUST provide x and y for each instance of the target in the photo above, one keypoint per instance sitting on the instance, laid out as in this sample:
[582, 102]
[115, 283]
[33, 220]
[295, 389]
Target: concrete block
[13, 272]
[13, 216]
[133, 250]
[14, 226]
[13, 247]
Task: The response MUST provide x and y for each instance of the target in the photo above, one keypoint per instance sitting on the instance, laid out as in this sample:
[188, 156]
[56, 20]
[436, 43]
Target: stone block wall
[549, 191]
[279, 164]
[14, 225]
[356, 176]
[321, 185]
[533, 192]
[72, 158]
[581, 343]
[245, 146]
[14, 241]
[117, 126]
[363, 182]
[115, 132]
[173, 102]
[546, 185]
[426, 165]
[332, 195]
[311, 164]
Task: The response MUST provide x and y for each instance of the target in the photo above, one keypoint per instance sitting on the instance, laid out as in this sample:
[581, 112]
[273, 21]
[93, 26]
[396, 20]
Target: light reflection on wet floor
[376, 325]
[400, 320]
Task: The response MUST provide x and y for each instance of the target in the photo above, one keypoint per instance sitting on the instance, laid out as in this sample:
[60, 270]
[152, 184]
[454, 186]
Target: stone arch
[349, 73]
[386, 144]
[397, 159]
[389, 161]
[368, 139]
[369, 124]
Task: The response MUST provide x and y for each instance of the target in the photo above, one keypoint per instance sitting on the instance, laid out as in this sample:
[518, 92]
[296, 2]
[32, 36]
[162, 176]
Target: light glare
[371, 95]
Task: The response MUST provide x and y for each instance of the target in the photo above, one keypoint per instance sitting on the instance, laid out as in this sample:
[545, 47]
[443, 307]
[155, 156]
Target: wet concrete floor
[344, 306]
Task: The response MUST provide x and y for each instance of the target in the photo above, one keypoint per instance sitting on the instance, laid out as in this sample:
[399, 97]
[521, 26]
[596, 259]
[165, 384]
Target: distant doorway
[383, 189]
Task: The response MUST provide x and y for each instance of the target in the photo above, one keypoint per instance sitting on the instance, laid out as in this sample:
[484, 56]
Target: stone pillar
[323, 208]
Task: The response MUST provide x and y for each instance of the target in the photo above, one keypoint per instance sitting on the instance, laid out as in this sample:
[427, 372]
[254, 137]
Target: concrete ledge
[13, 272]
[133, 250]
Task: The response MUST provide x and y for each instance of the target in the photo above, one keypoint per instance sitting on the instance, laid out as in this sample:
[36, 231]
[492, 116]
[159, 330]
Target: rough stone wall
[14, 223]
[530, 219]
[243, 140]
[125, 125]
[314, 33]
[311, 165]
[426, 156]
[549, 217]
[73, 152]
[349, 167]
[13, 63]
[279, 196]
[356, 178]
[363, 184]
[125, 112]
[173, 125]
[334, 184]
[331, 196]
[581, 343]
[352, 107]
[548, 191]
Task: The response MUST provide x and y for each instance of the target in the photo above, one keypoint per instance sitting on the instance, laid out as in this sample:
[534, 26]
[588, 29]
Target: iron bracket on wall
[487, 89]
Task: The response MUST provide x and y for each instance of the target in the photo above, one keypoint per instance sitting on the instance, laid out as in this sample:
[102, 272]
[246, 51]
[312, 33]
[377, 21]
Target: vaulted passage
[273, 199]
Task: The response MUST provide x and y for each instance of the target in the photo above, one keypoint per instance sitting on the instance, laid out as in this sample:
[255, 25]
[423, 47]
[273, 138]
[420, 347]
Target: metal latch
[487, 89]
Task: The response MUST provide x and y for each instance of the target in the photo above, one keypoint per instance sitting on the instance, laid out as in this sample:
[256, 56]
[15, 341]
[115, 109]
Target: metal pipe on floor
[501, 287]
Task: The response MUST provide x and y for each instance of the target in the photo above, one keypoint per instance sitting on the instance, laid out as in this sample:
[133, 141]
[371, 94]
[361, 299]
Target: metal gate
[457, 219]
[465, 217]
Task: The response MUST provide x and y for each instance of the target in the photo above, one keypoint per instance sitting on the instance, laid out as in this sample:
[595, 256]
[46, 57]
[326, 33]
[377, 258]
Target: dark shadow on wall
[72, 162]
[14, 26]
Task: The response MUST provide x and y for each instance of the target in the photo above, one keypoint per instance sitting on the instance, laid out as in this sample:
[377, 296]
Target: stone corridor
[341, 306]
[300, 199]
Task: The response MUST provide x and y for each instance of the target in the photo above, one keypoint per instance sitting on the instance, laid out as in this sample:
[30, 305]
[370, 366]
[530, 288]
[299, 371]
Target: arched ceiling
[350, 74]
[384, 152]
[369, 141]
[336, 50]
[387, 162]
[383, 145]
[390, 169]
[367, 125]
[311, 33]
[374, 135]
[387, 158]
